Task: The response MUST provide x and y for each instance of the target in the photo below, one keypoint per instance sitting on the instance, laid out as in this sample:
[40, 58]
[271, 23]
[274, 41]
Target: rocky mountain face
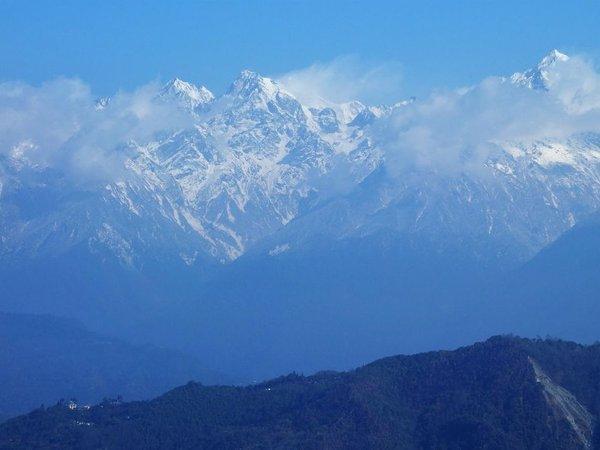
[505, 393]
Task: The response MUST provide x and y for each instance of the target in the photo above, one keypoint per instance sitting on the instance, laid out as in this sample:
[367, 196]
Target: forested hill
[505, 393]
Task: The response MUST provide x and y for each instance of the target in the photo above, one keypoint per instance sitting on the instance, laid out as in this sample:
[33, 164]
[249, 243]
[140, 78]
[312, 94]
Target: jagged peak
[177, 83]
[248, 82]
[183, 89]
[552, 58]
[537, 78]
[248, 74]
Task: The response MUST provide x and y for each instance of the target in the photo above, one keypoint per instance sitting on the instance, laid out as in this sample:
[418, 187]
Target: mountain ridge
[506, 392]
[255, 159]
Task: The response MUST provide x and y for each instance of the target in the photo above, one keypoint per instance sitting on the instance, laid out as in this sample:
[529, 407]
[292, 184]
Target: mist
[61, 125]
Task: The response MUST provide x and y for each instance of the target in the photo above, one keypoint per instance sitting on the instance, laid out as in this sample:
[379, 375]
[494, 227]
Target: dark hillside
[500, 394]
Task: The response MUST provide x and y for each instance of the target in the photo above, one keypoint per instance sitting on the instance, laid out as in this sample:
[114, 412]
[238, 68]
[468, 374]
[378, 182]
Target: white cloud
[576, 83]
[344, 79]
[459, 130]
[57, 124]
[45, 116]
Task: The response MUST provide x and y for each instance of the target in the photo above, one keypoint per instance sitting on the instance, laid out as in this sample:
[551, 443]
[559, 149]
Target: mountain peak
[249, 82]
[537, 78]
[552, 58]
[248, 74]
[188, 93]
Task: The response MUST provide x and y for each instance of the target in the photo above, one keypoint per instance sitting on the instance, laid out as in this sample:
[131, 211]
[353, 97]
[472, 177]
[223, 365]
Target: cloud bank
[459, 130]
[58, 124]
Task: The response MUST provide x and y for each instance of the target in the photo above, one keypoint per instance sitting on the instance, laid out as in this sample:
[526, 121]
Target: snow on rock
[255, 160]
[188, 95]
[538, 78]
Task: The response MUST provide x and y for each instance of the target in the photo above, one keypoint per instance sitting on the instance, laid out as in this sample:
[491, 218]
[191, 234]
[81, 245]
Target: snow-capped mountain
[251, 228]
[189, 96]
[538, 78]
[258, 167]
[245, 167]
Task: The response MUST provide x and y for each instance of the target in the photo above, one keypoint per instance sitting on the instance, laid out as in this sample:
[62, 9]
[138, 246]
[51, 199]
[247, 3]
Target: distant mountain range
[505, 393]
[255, 163]
[262, 234]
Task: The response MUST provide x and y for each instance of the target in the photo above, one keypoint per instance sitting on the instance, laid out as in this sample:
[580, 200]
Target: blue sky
[435, 44]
